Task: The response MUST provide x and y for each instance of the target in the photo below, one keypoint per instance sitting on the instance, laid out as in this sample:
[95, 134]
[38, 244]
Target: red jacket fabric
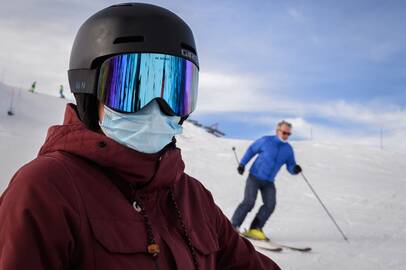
[63, 210]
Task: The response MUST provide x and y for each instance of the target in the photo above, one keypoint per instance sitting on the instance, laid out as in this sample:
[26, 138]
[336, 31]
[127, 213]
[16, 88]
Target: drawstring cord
[152, 247]
[185, 232]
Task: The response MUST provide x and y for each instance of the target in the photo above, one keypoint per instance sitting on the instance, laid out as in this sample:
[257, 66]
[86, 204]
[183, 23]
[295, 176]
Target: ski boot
[256, 234]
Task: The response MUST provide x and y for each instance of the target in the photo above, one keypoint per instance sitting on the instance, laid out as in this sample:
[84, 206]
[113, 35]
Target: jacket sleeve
[291, 162]
[37, 221]
[236, 252]
[252, 151]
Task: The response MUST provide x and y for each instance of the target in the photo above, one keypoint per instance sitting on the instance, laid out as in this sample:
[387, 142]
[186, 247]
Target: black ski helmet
[118, 29]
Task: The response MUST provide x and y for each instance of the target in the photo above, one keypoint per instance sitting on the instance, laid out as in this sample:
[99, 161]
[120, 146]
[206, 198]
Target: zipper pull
[137, 206]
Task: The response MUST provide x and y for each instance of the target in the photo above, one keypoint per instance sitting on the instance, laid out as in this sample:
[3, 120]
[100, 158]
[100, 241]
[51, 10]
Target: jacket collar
[278, 140]
[151, 170]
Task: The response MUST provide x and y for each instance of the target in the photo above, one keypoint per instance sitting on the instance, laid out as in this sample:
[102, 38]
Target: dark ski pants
[268, 193]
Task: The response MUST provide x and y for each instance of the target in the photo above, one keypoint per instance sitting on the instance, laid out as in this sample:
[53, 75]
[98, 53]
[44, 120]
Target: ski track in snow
[363, 187]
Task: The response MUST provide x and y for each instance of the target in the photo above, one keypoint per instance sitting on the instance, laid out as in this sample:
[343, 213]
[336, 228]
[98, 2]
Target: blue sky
[334, 67]
[348, 55]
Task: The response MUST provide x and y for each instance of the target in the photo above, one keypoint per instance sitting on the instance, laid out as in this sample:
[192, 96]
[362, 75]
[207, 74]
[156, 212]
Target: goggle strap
[83, 81]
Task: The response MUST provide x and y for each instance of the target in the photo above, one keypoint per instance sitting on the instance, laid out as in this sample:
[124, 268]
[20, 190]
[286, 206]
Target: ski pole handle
[236, 157]
[325, 208]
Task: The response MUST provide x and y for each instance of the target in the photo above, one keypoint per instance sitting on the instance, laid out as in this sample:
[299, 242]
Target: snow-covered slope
[363, 187]
[22, 134]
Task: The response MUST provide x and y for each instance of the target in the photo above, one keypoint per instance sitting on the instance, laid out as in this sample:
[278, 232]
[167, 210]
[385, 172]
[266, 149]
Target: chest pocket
[205, 240]
[120, 244]
[206, 243]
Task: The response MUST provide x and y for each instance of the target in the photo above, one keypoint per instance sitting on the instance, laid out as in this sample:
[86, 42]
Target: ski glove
[241, 169]
[297, 169]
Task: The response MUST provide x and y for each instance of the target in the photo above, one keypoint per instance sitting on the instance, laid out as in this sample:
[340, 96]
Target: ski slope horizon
[362, 186]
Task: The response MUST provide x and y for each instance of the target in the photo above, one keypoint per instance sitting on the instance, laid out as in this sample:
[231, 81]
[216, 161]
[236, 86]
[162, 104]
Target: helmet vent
[130, 39]
[187, 47]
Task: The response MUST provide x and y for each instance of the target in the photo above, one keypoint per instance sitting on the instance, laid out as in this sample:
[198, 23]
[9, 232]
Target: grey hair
[283, 122]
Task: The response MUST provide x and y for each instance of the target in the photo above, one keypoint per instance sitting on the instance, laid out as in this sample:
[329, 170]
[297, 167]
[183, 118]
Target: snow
[22, 134]
[363, 187]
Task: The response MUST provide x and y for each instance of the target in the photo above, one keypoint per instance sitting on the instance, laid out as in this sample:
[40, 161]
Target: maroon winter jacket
[71, 208]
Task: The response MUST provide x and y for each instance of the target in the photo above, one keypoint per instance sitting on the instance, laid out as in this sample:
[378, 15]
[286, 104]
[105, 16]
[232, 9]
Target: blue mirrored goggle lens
[128, 82]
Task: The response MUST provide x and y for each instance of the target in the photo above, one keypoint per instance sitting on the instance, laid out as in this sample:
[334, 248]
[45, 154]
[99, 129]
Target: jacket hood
[152, 170]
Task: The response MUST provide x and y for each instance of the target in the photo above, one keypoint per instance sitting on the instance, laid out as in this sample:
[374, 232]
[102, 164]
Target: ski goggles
[128, 82]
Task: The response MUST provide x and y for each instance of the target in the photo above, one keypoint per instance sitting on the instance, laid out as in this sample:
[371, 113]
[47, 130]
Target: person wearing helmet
[107, 189]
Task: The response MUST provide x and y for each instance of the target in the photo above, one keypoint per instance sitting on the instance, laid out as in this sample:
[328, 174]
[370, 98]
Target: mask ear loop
[183, 119]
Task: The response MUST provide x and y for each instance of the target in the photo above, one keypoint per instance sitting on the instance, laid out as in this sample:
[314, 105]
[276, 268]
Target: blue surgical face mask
[282, 140]
[147, 131]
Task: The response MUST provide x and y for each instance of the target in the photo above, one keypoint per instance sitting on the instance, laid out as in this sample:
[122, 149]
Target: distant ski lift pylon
[213, 129]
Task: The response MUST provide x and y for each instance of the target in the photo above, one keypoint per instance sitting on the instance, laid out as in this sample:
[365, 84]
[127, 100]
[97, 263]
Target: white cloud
[36, 40]
[393, 140]
[228, 92]
[221, 93]
[224, 92]
[43, 55]
[40, 55]
[381, 115]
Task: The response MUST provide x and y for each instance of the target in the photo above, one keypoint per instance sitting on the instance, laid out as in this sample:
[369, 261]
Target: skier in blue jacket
[273, 152]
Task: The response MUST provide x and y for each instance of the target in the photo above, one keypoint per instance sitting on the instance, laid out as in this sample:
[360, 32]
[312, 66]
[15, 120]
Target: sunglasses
[285, 133]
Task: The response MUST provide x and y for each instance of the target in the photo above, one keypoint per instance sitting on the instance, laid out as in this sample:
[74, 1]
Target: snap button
[102, 144]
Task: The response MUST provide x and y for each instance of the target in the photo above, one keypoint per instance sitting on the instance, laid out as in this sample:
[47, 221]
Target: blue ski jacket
[272, 155]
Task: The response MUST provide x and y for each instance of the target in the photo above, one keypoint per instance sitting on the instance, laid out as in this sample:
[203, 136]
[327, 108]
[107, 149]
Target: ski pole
[235, 154]
[325, 208]
[10, 111]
